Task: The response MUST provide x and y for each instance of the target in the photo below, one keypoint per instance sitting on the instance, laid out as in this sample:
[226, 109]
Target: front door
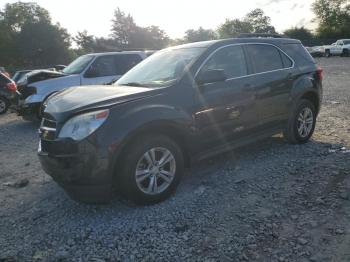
[225, 109]
[102, 71]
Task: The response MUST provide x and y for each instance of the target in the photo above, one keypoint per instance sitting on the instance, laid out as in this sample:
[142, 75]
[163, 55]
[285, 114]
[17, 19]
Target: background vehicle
[92, 69]
[8, 93]
[316, 51]
[341, 47]
[19, 75]
[189, 101]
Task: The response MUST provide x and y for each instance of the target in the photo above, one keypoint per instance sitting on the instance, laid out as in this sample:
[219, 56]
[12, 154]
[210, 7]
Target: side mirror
[211, 76]
[334, 44]
[91, 72]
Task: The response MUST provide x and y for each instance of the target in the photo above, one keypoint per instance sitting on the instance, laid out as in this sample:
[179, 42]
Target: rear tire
[327, 53]
[4, 105]
[345, 53]
[151, 168]
[301, 123]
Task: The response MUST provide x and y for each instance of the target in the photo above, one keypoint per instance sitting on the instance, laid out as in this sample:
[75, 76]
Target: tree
[29, 39]
[200, 34]
[85, 42]
[333, 17]
[260, 22]
[151, 37]
[122, 27]
[43, 44]
[232, 28]
[300, 33]
[126, 34]
[18, 14]
[254, 22]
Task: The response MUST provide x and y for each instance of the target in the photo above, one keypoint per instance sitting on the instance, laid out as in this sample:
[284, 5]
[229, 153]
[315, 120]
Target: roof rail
[136, 49]
[259, 35]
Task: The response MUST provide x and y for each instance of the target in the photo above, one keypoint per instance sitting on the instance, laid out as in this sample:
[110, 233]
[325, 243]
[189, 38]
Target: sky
[175, 17]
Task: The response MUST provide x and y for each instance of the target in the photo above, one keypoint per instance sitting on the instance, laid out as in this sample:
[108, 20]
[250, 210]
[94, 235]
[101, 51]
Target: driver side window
[102, 66]
[231, 59]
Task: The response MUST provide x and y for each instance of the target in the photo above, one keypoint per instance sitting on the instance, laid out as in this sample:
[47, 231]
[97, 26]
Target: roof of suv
[275, 41]
[121, 53]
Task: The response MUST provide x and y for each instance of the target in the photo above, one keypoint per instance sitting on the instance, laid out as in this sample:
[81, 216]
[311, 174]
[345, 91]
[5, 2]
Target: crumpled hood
[40, 75]
[81, 98]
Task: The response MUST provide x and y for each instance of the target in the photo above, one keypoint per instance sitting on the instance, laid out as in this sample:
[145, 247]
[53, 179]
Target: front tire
[328, 53]
[4, 105]
[301, 123]
[151, 169]
[345, 53]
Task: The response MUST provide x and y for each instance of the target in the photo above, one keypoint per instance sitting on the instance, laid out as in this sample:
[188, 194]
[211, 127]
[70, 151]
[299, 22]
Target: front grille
[48, 129]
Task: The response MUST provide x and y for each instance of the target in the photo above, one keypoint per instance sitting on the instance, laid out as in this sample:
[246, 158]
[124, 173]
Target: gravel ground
[270, 201]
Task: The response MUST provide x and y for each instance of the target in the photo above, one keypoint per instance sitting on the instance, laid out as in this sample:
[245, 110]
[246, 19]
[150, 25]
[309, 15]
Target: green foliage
[333, 17]
[260, 22]
[86, 42]
[254, 22]
[126, 34]
[16, 15]
[232, 28]
[200, 34]
[28, 39]
[300, 33]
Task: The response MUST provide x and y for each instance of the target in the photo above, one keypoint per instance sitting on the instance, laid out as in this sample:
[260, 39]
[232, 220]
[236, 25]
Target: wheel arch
[313, 98]
[166, 128]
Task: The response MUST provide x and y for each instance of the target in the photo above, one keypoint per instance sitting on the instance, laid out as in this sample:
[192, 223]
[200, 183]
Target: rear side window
[231, 59]
[124, 63]
[286, 61]
[264, 58]
[298, 53]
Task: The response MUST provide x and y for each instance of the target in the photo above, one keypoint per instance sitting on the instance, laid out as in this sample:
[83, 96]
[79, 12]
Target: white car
[91, 69]
[339, 48]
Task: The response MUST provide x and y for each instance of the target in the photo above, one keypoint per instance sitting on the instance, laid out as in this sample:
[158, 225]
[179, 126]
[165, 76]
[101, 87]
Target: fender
[306, 84]
[162, 118]
[36, 98]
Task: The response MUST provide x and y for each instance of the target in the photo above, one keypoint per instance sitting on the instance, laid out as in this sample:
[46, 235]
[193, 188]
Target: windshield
[78, 65]
[161, 69]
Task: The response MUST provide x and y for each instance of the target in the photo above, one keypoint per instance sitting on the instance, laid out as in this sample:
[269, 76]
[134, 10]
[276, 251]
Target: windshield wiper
[134, 84]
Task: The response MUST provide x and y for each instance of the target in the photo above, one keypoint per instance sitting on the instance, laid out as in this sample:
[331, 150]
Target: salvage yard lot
[270, 201]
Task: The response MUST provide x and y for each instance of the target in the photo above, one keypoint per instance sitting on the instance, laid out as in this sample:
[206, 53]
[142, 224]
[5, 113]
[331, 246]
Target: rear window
[298, 53]
[264, 58]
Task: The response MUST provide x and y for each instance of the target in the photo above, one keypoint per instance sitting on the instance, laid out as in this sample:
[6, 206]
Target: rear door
[225, 109]
[273, 76]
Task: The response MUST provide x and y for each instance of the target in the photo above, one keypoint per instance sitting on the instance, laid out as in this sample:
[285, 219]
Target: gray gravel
[270, 201]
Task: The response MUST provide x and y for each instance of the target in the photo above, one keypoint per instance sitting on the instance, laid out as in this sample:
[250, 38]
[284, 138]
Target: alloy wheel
[305, 122]
[155, 171]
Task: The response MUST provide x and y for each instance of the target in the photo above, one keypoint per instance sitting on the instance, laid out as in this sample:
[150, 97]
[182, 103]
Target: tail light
[12, 86]
[319, 73]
